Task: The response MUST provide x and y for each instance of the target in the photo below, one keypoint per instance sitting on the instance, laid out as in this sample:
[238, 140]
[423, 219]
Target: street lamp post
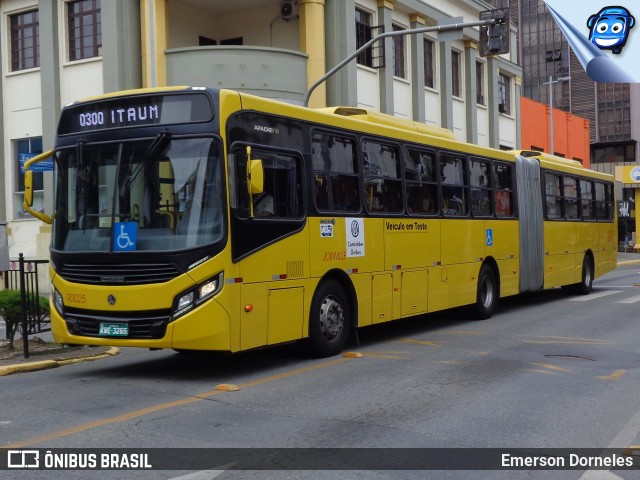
[550, 83]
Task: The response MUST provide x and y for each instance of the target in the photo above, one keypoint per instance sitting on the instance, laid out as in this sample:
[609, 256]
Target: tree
[11, 311]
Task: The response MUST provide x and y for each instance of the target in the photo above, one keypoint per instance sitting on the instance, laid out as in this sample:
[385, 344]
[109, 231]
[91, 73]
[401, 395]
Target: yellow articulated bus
[203, 219]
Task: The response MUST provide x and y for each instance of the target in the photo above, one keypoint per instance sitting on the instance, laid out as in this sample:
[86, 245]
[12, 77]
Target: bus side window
[604, 201]
[570, 191]
[421, 186]
[553, 190]
[586, 199]
[335, 173]
[503, 183]
[381, 164]
[454, 190]
[282, 193]
[479, 173]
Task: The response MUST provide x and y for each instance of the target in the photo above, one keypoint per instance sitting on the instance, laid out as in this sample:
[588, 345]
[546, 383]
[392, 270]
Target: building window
[480, 99]
[25, 41]
[429, 63]
[25, 149]
[363, 35]
[399, 67]
[85, 29]
[504, 94]
[613, 153]
[455, 74]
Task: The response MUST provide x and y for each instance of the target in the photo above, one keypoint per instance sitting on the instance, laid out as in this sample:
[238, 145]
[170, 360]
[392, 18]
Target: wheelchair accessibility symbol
[124, 236]
[489, 232]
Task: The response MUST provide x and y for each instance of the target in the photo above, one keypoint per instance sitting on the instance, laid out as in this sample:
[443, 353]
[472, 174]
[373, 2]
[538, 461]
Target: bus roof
[389, 120]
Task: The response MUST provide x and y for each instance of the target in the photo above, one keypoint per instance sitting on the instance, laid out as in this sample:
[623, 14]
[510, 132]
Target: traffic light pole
[437, 28]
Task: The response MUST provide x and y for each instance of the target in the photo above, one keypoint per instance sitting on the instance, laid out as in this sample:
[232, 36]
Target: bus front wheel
[487, 293]
[329, 319]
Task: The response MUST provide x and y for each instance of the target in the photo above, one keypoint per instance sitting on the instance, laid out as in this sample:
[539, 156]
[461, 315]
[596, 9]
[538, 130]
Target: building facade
[57, 51]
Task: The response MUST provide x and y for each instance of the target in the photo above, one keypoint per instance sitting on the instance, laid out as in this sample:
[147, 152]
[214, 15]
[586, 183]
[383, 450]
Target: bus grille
[125, 274]
[142, 325]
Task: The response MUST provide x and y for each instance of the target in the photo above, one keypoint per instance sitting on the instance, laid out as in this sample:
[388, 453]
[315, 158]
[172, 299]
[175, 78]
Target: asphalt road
[547, 371]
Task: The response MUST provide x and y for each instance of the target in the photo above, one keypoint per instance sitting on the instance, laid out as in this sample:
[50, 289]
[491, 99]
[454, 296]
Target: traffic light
[494, 39]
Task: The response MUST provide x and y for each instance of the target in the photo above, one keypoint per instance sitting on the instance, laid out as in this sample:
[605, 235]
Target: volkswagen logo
[111, 299]
[355, 228]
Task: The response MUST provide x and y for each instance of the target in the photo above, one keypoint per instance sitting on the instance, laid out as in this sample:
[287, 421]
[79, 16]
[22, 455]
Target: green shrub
[11, 311]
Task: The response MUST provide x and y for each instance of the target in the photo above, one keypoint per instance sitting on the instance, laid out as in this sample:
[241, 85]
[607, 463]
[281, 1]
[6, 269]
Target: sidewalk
[45, 354]
[626, 257]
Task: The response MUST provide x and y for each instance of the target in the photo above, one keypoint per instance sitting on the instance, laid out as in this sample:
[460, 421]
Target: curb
[47, 364]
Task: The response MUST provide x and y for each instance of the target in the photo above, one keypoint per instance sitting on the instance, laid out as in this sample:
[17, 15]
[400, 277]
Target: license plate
[113, 330]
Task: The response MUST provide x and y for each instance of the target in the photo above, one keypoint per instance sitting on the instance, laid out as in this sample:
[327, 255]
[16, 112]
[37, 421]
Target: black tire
[487, 293]
[586, 283]
[585, 286]
[329, 319]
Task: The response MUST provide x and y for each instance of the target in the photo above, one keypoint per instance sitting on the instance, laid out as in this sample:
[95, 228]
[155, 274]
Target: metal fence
[23, 276]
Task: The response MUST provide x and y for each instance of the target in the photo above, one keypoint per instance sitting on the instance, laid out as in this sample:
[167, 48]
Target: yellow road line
[617, 375]
[421, 342]
[460, 332]
[384, 355]
[551, 367]
[578, 339]
[164, 406]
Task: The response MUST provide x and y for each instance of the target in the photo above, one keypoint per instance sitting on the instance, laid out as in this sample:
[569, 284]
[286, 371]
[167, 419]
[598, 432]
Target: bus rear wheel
[329, 320]
[487, 293]
[585, 286]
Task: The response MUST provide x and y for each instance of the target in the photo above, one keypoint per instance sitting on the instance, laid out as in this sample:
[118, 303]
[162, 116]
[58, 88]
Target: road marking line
[421, 342]
[535, 370]
[626, 437]
[593, 296]
[460, 332]
[566, 342]
[164, 406]
[384, 355]
[551, 367]
[630, 300]
[205, 474]
[596, 340]
[550, 340]
[617, 375]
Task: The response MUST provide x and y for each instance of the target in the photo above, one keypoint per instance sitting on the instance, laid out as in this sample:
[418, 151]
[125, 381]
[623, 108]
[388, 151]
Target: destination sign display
[136, 111]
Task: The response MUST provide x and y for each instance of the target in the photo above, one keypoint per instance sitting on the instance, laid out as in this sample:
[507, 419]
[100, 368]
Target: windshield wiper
[152, 151]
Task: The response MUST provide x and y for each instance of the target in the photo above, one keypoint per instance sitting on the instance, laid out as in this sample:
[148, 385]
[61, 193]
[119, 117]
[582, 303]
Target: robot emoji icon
[609, 28]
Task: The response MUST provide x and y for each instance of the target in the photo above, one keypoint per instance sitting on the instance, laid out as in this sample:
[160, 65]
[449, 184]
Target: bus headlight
[57, 300]
[185, 300]
[195, 296]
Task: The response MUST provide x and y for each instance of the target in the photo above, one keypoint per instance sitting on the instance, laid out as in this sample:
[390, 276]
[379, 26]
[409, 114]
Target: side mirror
[256, 176]
[255, 179]
[28, 187]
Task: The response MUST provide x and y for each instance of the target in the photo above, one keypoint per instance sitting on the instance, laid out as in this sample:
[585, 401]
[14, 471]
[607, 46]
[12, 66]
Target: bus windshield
[159, 193]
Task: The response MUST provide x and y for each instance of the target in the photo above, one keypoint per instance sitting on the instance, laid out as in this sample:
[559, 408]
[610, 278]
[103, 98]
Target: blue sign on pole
[489, 237]
[43, 166]
[125, 235]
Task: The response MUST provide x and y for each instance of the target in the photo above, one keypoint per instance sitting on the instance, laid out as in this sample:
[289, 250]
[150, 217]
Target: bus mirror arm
[255, 179]
[28, 187]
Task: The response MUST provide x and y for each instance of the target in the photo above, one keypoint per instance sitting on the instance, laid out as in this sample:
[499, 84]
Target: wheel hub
[331, 318]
